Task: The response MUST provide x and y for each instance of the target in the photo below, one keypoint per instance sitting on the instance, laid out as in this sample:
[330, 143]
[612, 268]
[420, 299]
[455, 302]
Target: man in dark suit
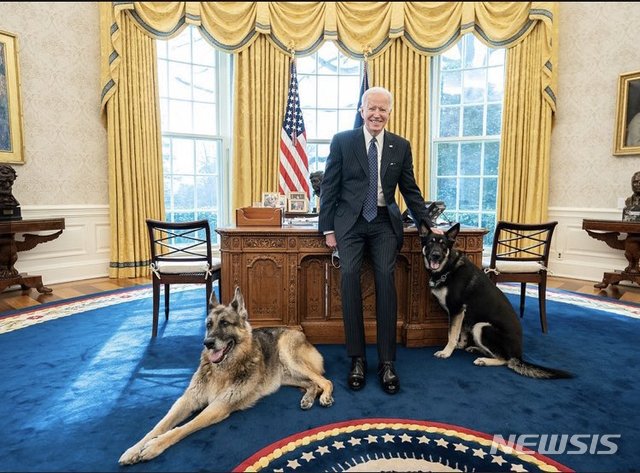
[358, 211]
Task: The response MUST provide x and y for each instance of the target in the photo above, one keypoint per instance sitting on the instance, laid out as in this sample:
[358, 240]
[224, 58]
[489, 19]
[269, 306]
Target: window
[195, 101]
[467, 113]
[329, 85]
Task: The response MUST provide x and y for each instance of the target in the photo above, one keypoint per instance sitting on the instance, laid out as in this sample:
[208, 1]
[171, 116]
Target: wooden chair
[180, 254]
[520, 253]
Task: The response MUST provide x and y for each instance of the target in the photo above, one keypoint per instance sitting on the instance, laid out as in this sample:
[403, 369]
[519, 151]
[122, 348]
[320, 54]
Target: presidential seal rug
[395, 445]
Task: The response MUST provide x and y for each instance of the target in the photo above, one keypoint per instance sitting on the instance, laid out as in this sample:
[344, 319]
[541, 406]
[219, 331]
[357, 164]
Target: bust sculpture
[631, 210]
[316, 181]
[9, 206]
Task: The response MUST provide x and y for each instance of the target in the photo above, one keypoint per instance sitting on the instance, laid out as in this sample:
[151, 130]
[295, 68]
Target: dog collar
[438, 281]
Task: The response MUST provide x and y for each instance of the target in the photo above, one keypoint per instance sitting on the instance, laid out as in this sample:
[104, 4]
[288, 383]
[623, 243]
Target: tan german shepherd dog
[238, 366]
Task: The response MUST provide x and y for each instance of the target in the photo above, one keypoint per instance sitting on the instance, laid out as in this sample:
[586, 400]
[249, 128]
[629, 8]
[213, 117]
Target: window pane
[180, 47]
[203, 52]
[469, 194]
[447, 159]
[183, 156]
[204, 84]
[448, 191]
[451, 89]
[475, 54]
[310, 123]
[206, 157]
[470, 157]
[206, 192]
[179, 81]
[474, 86]
[328, 60]
[449, 121]
[162, 72]
[306, 65]
[328, 92]
[347, 118]
[307, 91]
[470, 219]
[490, 193]
[183, 196]
[180, 116]
[495, 87]
[452, 57]
[347, 98]
[491, 154]
[327, 123]
[494, 119]
[204, 118]
[472, 121]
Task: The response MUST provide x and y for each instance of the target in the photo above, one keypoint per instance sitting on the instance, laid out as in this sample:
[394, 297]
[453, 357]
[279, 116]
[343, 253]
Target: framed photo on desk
[297, 202]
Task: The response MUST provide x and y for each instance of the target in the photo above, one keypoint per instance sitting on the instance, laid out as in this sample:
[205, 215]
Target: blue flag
[365, 85]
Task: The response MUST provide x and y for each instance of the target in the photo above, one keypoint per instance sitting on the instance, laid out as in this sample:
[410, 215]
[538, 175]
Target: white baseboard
[82, 251]
[574, 254]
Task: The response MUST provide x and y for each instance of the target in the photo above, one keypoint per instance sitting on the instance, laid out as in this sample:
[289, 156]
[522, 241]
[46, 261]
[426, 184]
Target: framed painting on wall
[11, 144]
[627, 129]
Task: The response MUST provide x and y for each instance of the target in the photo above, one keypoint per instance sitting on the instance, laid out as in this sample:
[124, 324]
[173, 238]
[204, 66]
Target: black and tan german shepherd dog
[481, 318]
[238, 366]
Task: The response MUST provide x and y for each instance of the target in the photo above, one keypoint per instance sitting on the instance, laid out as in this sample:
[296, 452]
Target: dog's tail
[535, 371]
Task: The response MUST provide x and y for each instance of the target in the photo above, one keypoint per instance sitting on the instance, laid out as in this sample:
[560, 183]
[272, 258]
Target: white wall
[66, 148]
[598, 42]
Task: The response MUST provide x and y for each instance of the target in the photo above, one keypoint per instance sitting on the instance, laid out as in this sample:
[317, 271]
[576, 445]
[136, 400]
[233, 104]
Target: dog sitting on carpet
[481, 318]
[238, 366]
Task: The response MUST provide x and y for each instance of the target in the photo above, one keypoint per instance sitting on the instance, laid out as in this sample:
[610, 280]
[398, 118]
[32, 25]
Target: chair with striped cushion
[180, 254]
[520, 253]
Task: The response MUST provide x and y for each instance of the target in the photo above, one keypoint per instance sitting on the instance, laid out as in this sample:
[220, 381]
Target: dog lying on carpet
[238, 366]
[481, 318]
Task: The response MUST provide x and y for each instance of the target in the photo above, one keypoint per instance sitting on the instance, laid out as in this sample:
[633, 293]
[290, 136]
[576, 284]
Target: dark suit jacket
[346, 179]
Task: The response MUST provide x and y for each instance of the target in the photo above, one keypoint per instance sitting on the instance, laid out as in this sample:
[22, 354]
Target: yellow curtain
[523, 177]
[410, 88]
[135, 156]
[261, 81]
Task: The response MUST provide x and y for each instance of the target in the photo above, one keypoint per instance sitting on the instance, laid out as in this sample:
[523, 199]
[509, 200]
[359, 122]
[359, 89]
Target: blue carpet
[79, 390]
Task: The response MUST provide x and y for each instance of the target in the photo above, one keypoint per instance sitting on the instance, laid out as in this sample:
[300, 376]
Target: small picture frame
[627, 126]
[297, 202]
[270, 199]
[282, 202]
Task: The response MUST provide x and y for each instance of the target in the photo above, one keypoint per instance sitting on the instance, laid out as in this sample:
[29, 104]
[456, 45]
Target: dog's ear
[424, 228]
[237, 303]
[213, 301]
[452, 233]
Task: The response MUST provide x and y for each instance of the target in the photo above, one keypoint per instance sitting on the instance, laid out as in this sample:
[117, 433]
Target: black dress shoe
[357, 374]
[388, 377]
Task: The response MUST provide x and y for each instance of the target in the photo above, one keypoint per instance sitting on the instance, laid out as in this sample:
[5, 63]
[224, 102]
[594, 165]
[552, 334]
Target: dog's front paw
[131, 456]
[443, 353]
[326, 401]
[152, 449]
[306, 403]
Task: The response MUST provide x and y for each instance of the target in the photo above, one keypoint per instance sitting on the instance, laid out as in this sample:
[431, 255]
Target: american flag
[294, 164]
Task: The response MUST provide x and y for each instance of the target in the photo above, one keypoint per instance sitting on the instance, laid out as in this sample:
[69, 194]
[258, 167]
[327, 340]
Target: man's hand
[330, 240]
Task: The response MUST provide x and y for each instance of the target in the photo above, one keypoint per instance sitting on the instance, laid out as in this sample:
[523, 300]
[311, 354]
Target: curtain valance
[358, 28]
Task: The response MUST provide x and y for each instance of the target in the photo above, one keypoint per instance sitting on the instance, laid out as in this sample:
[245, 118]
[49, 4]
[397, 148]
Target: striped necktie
[370, 208]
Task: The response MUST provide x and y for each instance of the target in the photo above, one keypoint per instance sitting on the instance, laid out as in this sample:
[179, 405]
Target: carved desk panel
[287, 279]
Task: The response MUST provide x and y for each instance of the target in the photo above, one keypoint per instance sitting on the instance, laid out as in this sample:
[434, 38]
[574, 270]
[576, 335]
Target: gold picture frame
[270, 199]
[297, 202]
[627, 129]
[11, 141]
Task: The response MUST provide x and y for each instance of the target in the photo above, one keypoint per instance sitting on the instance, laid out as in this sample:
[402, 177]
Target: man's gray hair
[377, 90]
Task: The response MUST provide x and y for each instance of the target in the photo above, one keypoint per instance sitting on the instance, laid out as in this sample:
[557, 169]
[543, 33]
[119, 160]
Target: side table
[9, 248]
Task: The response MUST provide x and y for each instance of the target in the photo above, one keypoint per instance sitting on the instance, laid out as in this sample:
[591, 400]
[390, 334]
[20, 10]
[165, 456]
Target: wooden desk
[609, 231]
[287, 278]
[9, 248]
